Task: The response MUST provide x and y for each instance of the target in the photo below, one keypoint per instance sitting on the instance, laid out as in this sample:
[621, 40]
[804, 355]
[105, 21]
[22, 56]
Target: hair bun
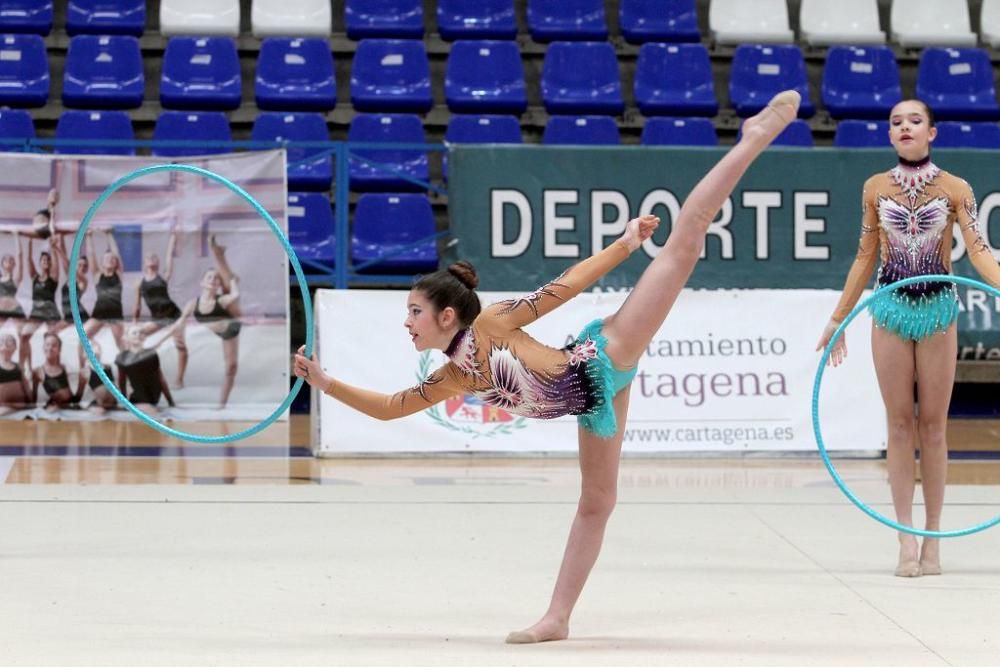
[466, 273]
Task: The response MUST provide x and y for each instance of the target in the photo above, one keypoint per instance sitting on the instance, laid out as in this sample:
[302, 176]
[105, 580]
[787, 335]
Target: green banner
[522, 214]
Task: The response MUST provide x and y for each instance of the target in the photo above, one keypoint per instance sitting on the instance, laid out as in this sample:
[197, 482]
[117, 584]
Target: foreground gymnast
[908, 215]
[494, 359]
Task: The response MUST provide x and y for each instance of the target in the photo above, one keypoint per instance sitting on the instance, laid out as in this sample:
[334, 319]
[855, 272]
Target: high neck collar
[915, 164]
[455, 342]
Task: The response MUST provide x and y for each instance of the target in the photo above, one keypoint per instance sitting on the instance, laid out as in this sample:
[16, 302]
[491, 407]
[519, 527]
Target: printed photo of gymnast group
[140, 313]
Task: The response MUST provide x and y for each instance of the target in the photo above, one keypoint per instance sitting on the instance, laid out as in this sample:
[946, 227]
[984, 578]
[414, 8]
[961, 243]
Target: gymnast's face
[133, 336]
[151, 262]
[7, 263]
[211, 280]
[109, 262]
[51, 348]
[45, 262]
[8, 346]
[910, 130]
[82, 266]
[429, 328]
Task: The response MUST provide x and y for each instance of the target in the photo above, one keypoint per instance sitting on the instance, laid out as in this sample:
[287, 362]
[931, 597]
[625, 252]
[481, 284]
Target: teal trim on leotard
[607, 381]
[915, 317]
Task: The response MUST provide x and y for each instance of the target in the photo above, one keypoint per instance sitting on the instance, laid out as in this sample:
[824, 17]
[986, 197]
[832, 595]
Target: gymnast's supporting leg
[599, 458]
[936, 359]
[231, 353]
[894, 368]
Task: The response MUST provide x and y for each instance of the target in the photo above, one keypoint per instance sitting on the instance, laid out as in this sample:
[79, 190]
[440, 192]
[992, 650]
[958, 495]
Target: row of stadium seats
[913, 22]
[641, 20]
[200, 133]
[297, 74]
[398, 224]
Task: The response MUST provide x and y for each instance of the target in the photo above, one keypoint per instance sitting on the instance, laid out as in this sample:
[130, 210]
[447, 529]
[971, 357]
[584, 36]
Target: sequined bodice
[495, 369]
[913, 221]
[909, 216]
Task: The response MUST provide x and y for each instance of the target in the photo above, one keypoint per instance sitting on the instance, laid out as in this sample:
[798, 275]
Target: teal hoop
[95, 362]
[815, 408]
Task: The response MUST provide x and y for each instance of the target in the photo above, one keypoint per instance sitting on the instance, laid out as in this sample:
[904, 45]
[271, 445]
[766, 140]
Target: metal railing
[344, 272]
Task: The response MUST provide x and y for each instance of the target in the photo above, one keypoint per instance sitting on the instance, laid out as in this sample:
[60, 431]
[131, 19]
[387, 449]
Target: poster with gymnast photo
[183, 289]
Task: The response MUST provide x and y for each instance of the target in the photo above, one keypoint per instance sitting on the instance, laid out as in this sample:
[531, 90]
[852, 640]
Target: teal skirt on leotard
[606, 380]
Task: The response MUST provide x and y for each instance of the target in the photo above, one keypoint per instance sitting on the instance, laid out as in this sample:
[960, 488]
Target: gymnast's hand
[638, 230]
[309, 370]
[839, 351]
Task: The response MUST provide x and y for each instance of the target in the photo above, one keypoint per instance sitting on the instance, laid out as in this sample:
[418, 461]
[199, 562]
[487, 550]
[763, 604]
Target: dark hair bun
[465, 272]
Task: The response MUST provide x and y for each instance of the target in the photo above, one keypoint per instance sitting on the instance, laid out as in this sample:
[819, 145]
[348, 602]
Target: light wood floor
[38, 452]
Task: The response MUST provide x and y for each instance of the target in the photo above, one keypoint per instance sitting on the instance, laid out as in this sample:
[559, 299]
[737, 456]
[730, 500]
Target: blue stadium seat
[305, 172]
[295, 74]
[200, 73]
[26, 16]
[387, 128]
[106, 17]
[567, 19]
[862, 134]
[311, 230]
[24, 71]
[485, 76]
[191, 126]
[675, 79]
[658, 21]
[581, 78]
[860, 82]
[391, 75]
[387, 223]
[797, 134]
[581, 131]
[481, 130]
[15, 124]
[399, 19]
[679, 132]
[951, 134]
[760, 71]
[103, 72]
[958, 84]
[92, 125]
[476, 19]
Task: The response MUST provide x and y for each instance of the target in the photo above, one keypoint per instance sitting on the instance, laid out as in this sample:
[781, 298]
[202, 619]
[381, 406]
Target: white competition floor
[432, 562]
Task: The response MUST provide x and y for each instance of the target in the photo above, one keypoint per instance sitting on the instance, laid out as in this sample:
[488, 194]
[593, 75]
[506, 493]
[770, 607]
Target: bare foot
[772, 119]
[930, 556]
[546, 630]
[908, 565]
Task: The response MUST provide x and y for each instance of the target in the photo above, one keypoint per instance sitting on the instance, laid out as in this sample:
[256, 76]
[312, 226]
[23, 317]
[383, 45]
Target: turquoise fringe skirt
[915, 317]
[605, 380]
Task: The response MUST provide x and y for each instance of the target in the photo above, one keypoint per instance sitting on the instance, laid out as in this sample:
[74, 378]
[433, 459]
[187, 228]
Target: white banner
[729, 371]
[176, 259]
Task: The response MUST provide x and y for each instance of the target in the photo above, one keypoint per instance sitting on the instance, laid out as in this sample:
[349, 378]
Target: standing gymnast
[218, 308]
[44, 311]
[11, 274]
[153, 290]
[494, 359]
[108, 283]
[907, 217]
